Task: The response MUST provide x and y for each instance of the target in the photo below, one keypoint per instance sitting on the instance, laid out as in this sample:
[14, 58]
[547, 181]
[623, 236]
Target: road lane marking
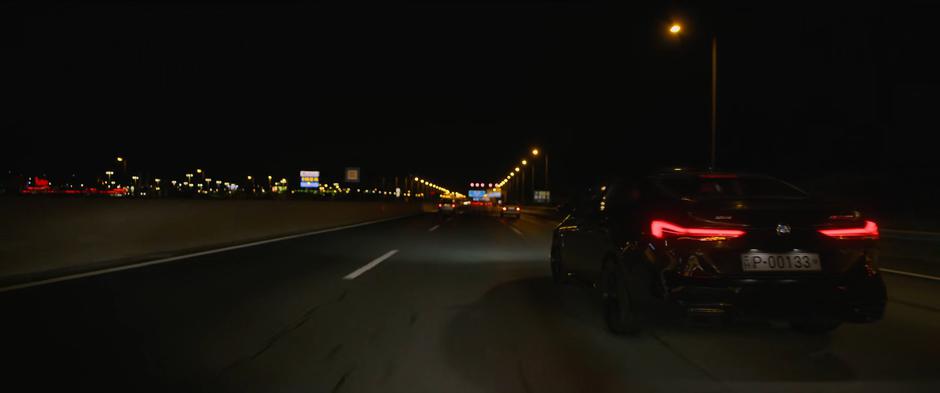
[518, 232]
[909, 274]
[434, 228]
[909, 232]
[375, 262]
[194, 255]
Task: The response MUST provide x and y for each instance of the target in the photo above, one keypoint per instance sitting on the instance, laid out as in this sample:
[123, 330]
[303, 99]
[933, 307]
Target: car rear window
[729, 186]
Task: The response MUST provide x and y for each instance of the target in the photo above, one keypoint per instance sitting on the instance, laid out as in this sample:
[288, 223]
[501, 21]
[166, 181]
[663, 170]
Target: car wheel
[815, 325]
[619, 311]
[559, 275]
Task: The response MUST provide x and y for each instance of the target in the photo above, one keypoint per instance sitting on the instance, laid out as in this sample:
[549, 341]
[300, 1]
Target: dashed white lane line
[375, 262]
[434, 228]
[193, 255]
[518, 232]
[909, 274]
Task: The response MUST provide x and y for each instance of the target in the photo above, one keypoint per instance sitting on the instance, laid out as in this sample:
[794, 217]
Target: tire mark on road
[333, 351]
[688, 360]
[273, 340]
[522, 379]
[341, 382]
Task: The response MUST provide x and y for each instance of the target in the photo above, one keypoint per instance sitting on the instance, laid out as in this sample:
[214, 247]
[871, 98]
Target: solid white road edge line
[909, 274]
[375, 262]
[193, 255]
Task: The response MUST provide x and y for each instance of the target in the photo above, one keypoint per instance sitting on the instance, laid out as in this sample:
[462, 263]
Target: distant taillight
[869, 231]
[440, 205]
[664, 229]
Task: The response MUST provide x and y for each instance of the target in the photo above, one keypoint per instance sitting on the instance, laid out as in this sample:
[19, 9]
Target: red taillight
[453, 205]
[440, 205]
[663, 229]
[869, 231]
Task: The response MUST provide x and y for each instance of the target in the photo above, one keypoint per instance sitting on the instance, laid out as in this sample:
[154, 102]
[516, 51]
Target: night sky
[460, 92]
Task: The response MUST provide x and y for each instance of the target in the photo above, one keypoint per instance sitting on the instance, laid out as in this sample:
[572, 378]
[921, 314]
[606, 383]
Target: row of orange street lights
[519, 170]
[195, 179]
[428, 184]
[251, 180]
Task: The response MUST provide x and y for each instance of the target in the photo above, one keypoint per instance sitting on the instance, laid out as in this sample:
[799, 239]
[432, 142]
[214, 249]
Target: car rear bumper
[860, 300]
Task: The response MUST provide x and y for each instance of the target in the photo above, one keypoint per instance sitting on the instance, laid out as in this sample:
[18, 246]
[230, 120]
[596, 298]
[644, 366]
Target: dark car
[510, 210]
[720, 244]
[447, 207]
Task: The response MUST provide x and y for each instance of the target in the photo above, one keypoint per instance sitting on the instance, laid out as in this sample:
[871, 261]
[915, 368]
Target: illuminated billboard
[309, 179]
[352, 175]
[542, 196]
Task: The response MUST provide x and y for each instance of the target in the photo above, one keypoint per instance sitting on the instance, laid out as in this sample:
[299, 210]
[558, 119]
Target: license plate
[786, 262]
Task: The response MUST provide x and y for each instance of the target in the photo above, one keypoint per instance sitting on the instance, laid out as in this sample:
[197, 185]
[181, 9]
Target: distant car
[510, 211]
[446, 207]
[721, 244]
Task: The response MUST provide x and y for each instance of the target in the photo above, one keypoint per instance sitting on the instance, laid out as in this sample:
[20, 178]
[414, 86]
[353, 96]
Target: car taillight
[664, 229]
[440, 205]
[453, 205]
[869, 231]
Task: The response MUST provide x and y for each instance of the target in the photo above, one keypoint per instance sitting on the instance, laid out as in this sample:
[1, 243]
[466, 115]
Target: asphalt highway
[421, 304]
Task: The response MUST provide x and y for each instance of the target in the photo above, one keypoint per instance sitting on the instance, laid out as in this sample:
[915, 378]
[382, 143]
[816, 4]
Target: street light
[123, 163]
[535, 152]
[675, 29]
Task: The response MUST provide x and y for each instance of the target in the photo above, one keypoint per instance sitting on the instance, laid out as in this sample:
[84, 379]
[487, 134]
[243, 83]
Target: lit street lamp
[675, 29]
[524, 189]
[123, 163]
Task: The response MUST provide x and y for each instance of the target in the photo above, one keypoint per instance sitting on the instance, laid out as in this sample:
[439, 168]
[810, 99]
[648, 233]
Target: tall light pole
[714, 99]
[123, 163]
[676, 29]
[525, 187]
[535, 153]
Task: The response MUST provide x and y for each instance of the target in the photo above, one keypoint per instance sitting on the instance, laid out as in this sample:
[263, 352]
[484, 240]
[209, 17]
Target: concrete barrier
[47, 237]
